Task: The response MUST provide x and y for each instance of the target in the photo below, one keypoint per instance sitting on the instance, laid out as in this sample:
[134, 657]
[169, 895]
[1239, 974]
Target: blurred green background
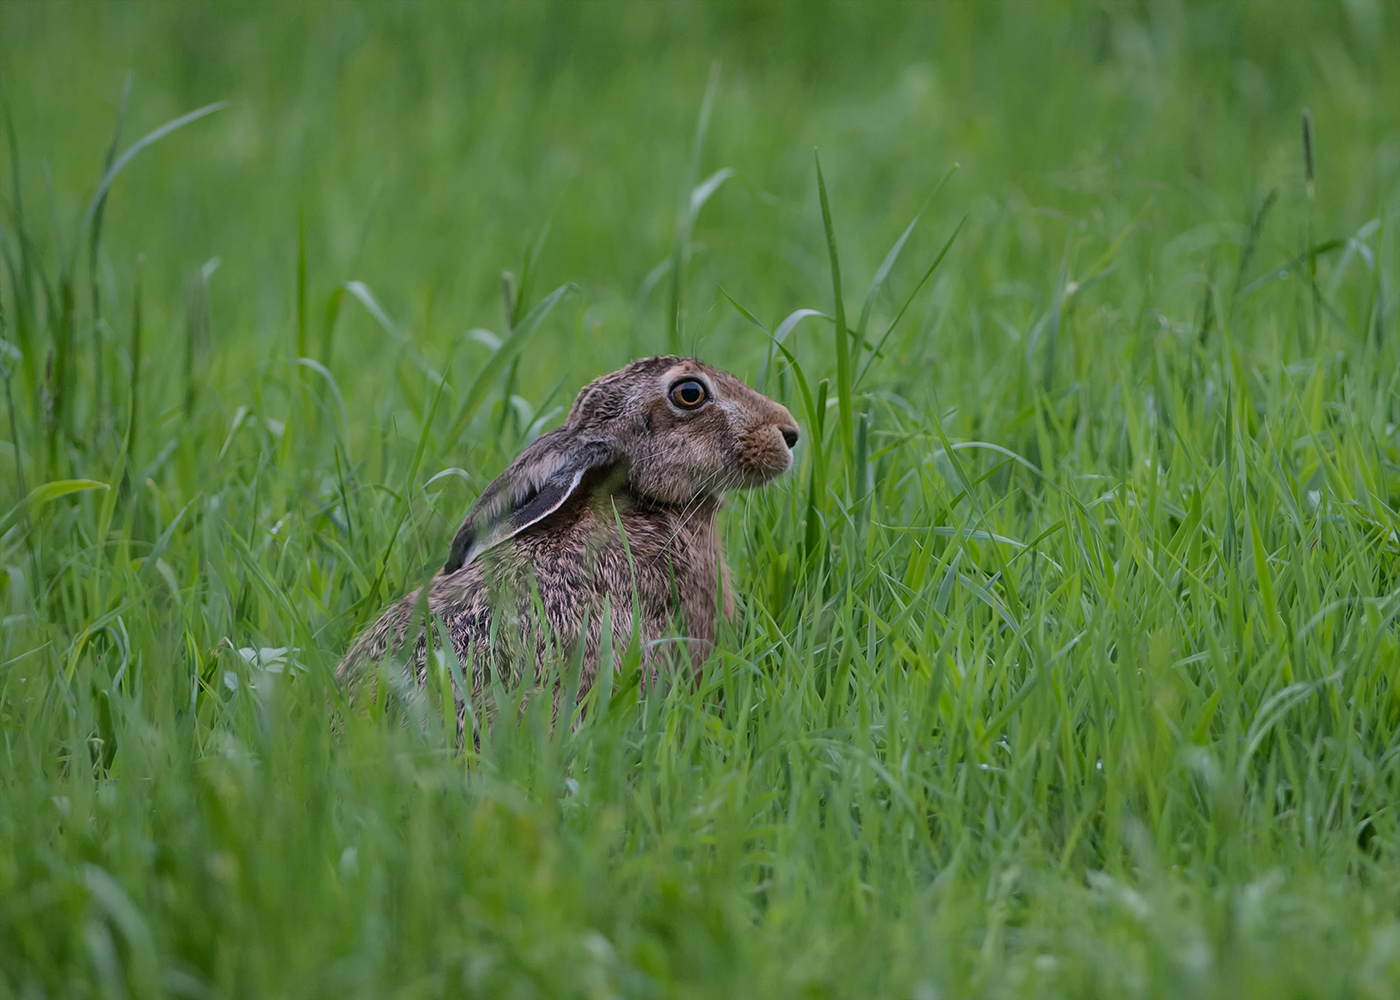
[427, 147]
[1070, 671]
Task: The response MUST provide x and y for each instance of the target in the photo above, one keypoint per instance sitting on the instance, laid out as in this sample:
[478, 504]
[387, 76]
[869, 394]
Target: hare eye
[688, 394]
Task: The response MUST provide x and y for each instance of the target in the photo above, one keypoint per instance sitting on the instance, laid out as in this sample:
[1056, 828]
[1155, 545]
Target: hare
[609, 518]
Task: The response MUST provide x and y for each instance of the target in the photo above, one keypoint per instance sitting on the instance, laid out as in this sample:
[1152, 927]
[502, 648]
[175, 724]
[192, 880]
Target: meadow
[1068, 655]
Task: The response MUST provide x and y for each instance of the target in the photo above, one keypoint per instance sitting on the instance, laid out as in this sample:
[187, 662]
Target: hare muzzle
[767, 450]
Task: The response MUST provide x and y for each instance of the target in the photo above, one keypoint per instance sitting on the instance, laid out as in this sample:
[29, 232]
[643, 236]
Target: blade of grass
[928, 273]
[503, 355]
[886, 265]
[47, 493]
[99, 197]
[94, 242]
[844, 383]
[133, 418]
[685, 215]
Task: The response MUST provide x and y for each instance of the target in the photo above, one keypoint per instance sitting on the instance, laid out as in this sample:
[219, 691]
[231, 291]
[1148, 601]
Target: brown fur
[543, 536]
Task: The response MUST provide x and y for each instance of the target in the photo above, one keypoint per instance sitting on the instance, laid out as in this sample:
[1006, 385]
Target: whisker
[693, 507]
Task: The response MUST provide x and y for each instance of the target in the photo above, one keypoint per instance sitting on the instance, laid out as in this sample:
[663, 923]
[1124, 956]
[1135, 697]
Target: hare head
[672, 431]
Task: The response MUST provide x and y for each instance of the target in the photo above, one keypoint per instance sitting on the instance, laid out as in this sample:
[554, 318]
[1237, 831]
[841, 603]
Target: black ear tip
[457, 555]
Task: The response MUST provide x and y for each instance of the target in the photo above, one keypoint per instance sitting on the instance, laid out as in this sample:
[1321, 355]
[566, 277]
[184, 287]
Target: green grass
[1068, 661]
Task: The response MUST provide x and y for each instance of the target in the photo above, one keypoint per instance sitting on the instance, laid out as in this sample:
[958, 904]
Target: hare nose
[790, 435]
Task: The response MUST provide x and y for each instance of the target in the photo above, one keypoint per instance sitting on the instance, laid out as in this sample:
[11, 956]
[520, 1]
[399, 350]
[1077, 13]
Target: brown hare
[610, 517]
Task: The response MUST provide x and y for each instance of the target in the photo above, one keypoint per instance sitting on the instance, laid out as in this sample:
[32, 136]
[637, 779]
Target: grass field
[1068, 661]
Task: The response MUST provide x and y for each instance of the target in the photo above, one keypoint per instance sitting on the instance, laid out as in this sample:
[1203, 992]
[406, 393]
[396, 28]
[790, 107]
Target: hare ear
[535, 486]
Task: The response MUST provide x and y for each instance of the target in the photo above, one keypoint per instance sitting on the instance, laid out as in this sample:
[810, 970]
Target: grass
[1068, 655]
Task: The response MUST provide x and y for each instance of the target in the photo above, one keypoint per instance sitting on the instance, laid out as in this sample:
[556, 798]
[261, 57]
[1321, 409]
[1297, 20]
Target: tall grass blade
[886, 265]
[99, 197]
[844, 381]
[1251, 246]
[302, 349]
[133, 419]
[94, 243]
[362, 294]
[18, 263]
[909, 300]
[691, 201]
[510, 349]
[5, 375]
[47, 493]
[1053, 320]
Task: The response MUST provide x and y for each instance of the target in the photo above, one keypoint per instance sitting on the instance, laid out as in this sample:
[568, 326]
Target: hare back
[548, 591]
